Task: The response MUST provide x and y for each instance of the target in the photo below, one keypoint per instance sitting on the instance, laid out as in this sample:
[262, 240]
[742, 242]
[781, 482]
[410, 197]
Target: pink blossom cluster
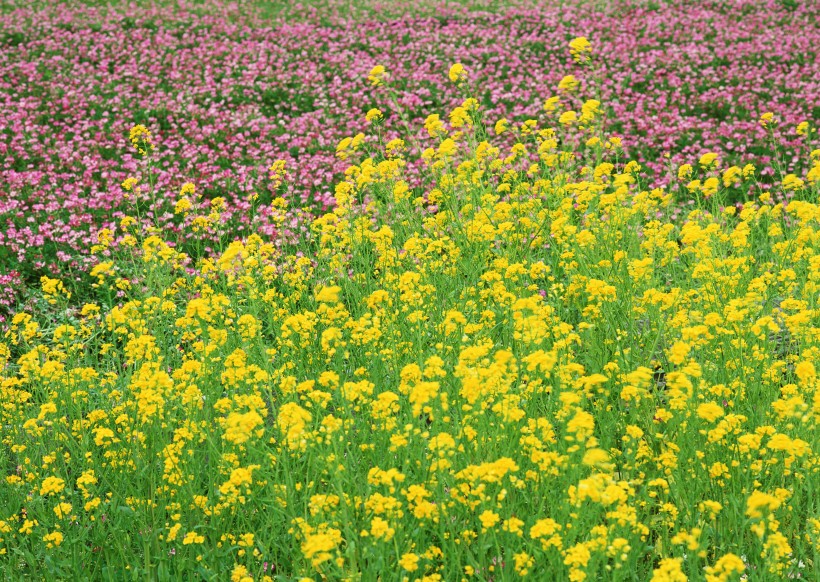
[225, 95]
[9, 285]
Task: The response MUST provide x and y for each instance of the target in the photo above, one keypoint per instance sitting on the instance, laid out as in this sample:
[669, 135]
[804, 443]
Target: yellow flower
[240, 427]
[380, 529]
[188, 189]
[669, 570]
[128, 184]
[28, 526]
[580, 49]
[459, 117]
[813, 175]
[248, 326]
[596, 457]
[488, 519]
[802, 128]
[192, 538]
[318, 547]
[329, 294]
[569, 83]
[731, 176]
[53, 539]
[805, 371]
[374, 115]
[394, 147]
[52, 486]
[457, 73]
[766, 119]
[792, 182]
[514, 525]
[173, 532]
[551, 104]
[240, 573]
[409, 562]
[446, 149]
[62, 510]
[712, 507]
[182, 206]
[567, 117]
[501, 126]
[344, 144]
[523, 562]
[376, 75]
[759, 503]
[292, 420]
[707, 159]
[589, 110]
[141, 139]
[725, 569]
[433, 125]
[577, 557]
[710, 186]
[710, 411]
[53, 287]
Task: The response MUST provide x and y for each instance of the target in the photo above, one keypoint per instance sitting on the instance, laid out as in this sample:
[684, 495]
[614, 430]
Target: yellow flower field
[532, 369]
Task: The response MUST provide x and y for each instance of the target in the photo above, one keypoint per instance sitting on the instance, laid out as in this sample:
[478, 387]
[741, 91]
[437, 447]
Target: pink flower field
[226, 93]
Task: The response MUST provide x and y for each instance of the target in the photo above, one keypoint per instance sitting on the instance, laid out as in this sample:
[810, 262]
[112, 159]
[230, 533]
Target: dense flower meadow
[226, 93]
[534, 367]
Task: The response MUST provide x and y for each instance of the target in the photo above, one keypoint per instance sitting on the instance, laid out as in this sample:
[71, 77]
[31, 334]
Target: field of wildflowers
[425, 328]
[226, 93]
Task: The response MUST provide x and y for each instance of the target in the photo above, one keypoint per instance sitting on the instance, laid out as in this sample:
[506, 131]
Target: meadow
[226, 91]
[458, 295]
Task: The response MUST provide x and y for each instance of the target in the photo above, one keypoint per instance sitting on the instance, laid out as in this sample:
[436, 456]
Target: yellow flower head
[759, 503]
[188, 189]
[805, 371]
[489, 519]
[569, 83]
[708, 159]
[141, 139]
[62, 510]
[792, 182]
[277, 167]
[53, 539]
[669, 570]
[589, 110]
[457, 73]
[580, 49]
[551, 104]
[409, 562]
[433, 125]
[51, 486]
[376, 75]
[802, 128]
[766, 119]
[725, 568]
[567, 117]
[710, 411]
[329, 294]
[374, 115]
[732, 175]
[182, 206]
[129, 183]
